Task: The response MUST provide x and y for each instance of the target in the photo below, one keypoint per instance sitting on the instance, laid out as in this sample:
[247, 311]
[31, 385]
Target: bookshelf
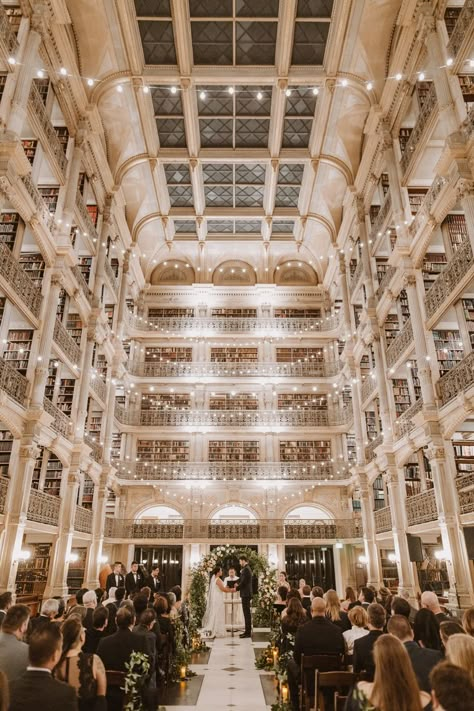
[81, 183]
[466, 82]
[42, 86]
[416, 382]
[50, 194]
[33, 264]
[51, 380]
[74, 327]
[416, 195]
[433, 265]
[468, 308]
[110, 504]
[457, 230]
[3, 81]
[163, 450]
[63, 136]
[401, 395]
[165, 401]
[93, 211]
[299, 355]
[109, 312]
[169, 354]
[94, 422]
[403, 137]
[32, 574]
[234, 355]
[234, 451]
[170, 313]
[61, 304]
[76, 570]
[373, 212]
[404, 308]
[116, 447]
[302, 401]
[101, 366]
[234, 313]
[351, 447]
[66, 395]
[241, 401]
[385, 183]
[6, 444]
[38, 468]
[389, 571]
[9, 223]
[297, 313]
[87, 498]
[53, 476]
[450, 18]
[381, 266]
[371, 424]
[357, 313]
[29, 146]
[422, 89]
[449, 349]
[463, 455]
[3, 301]
[305, 450]
[378, 491]
[391, 328]
[85, 266]
[14, 15]
[17, 349]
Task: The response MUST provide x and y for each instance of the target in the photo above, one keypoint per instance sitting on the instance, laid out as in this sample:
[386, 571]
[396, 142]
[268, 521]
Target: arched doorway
[169, 558]
[313, 563]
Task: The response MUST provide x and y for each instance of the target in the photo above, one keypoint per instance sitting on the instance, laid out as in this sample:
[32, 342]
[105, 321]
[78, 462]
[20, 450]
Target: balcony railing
[423, 213]
[19, 281]
[383, 520]
[66, 343]
[230, 471]
[236, 418]
[461, 29]
[3, 493]
[426, 113]
[83, 520]
[405, 423]
[41, 208]
[50, 141]
[356, 276]
[7, 35]
[43, 508]
[372, 446]
[421, 508]
[400, 344]
[83, 285]
[291, 326]
[109, 273]
[244, 369]
[387, 278]
[450, 278]
[99, 387]
[234, 529]
[465, 488]
[61, 423]
[12, 382]
[85, 217]
[456, 380]
[96, 449]
[379, 222]
[368, 387]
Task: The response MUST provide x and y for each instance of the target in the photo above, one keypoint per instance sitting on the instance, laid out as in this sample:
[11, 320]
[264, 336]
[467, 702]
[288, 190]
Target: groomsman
[153, 581]
[115, 579]
[134, 580]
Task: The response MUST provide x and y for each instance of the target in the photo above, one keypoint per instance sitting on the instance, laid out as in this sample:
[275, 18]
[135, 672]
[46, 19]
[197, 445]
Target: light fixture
[146, 89]
[173, 90]
[369, 86]
[259, 95]
[421, 76]
[363, 559]
[230, 90]
[398, 76]
[63, 71]
[103, 558]
[12, 61]
[392, 557]
[344, 82]
[90, 82]
[24, 555]
[72, 558]
[40, 74]
[339, 545]
[315, 91]
[202, 95]
[288, 92]
[449, 62]
[120, 88]
[441, 554]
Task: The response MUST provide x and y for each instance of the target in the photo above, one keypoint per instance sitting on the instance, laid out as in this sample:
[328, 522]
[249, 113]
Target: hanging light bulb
[63, 71]
[90, 82]
[315, 91]
[230, 90]
[173, 90]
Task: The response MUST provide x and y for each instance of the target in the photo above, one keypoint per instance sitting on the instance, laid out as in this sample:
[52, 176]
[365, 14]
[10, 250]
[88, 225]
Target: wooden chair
[337, 680]
[115, 684]
[339, 702]
[309, 664]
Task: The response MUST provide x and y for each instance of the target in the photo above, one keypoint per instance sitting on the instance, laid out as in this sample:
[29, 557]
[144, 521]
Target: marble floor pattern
[230, 678]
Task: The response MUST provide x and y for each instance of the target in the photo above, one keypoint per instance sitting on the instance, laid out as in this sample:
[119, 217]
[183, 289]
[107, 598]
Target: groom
[245, 588]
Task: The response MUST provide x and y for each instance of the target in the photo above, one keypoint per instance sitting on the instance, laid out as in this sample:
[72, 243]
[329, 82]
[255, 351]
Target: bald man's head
[318, 607]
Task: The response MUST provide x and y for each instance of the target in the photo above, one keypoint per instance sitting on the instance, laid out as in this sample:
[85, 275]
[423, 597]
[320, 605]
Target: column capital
[409, 280]
[464, 188]
[342, 263]
[29, 451]
[434, 452]
[359, 205]
[108, 206]
[40, 19]
[385, 135]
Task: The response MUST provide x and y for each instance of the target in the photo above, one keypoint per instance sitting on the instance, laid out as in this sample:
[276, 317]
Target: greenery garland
[137, 668]
[262, 601]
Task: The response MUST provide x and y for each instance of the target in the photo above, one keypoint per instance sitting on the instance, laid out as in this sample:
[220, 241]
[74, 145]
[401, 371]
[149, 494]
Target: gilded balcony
[241, 369]
[421, 508]
[426, 118]
[456, 380]
[66, 343]
[61, 422]
[383, 520]
[83, 520]
[13, 383]
[400, 345]
[451, 279]
[43, 508]
[18, 281]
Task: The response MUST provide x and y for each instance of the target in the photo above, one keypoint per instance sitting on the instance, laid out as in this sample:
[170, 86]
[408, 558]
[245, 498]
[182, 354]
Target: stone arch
[173, 272]
[161, 511]
[233, 506]
[309, 510]
[295, 272]
[234, 272]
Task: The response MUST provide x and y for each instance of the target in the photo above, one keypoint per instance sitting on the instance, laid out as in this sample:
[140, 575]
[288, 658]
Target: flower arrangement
[138, 667]
[182, 655]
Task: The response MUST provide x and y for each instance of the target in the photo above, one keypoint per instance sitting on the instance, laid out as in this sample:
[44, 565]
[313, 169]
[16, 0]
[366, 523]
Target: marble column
[46, 343]
[94, 552]
[382, 388]
[418, 328]
[24, 80]
[395, 481]
[374, 572]
[58, 569]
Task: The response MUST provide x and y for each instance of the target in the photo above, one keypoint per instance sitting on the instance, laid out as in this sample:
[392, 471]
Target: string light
[173, 90]
[259, 95]
[449, 62]
[40, 74]
[315, 91]
[369, 86]
[90, 82]
[146, 89]
[63, 71]
[288, 92]
[344, 82]
[421, 76]
[398, 76]
[120, 88]
[202, 95]
[12, 61]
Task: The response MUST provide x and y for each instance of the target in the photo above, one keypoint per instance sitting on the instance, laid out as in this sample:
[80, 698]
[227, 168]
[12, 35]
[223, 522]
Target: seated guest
[115, 579]
[115, 651]
[400, 606]
[468, 621]
[120, 596]
[6, 601]
[13, 650]
[384, 598]
[333, 610]
[426, 630]
[460, 651]
[363, 647]
[448, 628]
[140, 604]
[422, 660]
[452, 688]
[164, 624]
[49, 610]
[413, 610]
[394, 687]
[111, 605]
[145, 628]
[366, 597]
[36, 688]
[173, 612]
[280, 601]
[306, 599]
[81, 670]
[178, 593]
[61, 614]
[429, 600]
[100, 595]
[317, 591]
[153, 581]
[291, 594]
[294, 618]
[80, 596]
[318, 636]
[90, 603]
[146, 592]
[358, 620]
[349, 597]
[97, 631]
[134, 580]
[301, 585]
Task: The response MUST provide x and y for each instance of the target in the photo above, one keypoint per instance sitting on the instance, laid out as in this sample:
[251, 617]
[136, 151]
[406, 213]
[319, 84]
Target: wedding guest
[6, 601]
[384, 598]
[120, 596]
[81, 670]
[282, 580]
[400, 606]
[115, 578]
[90, 603]
[301, 585]
[145, 629]
[468, 621]
[448, 628]
[61, 614]
[153, 581]
[363, 647]
[358, 620]
[291, 595]
[101, 595]
[49, 610]
[13, 650]
[280, 602]
[306, 599]
[178, 593]
[140, 604]
[349, 597]
[429, 600]
[134, 580]
[460, 651]
[333, 610]
[422, 660]
[366, 597]
[452, 688]
[413, 610]
[98, 629]
[111, 605]
[394, 687]
[294, 618]
[426, 630]
[4, 693]
[173, 612]
[317, 591]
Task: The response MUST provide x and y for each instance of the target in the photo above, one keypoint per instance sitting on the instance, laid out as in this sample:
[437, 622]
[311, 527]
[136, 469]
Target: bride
[213, 622]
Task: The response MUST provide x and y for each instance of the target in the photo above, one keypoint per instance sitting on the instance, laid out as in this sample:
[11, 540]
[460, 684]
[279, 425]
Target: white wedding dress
[213, 622]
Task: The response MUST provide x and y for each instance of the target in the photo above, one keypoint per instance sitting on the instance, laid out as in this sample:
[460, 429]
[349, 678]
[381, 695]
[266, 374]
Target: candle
[284, 692]
[183, 673]
[275, 655]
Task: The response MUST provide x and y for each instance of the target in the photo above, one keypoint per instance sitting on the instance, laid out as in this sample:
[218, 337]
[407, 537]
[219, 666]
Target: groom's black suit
[245, 589]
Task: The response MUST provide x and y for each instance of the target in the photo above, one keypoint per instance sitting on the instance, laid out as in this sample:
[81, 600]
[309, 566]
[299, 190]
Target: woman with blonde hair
[359, 621]
[395, 687]
[334, 612]
[460, 651]
[468, 621]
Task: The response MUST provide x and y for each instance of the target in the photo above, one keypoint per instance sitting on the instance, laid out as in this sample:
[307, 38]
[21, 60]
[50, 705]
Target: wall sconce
[72, 558]
[363, 559]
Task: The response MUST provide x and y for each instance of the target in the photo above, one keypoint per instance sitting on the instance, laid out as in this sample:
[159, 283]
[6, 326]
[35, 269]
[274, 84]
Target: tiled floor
[230, 678]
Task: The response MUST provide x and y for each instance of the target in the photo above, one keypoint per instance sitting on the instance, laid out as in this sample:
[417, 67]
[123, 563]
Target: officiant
[235, 619]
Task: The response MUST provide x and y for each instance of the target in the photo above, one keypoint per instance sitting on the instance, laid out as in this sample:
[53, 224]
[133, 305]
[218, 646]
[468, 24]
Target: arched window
[233, 512]
[162, 514]
[309, 512]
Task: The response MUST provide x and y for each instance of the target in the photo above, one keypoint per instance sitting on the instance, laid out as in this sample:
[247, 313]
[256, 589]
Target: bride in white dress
[213, 622]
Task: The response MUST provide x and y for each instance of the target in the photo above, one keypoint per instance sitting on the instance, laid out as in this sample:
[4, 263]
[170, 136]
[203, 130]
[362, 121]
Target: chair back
[309, 664]
[115, 678]
[339, 701]
[338, 681]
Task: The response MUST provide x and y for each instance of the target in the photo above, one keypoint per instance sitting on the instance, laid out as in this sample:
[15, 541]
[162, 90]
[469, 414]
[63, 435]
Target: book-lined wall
[299, 355]
[18, 347]
[239, 401]
[168, 354]
[32, 574]
[165, 401]
[6, 444]
[234, 355]
[449, 348]
[167, 450]
[305, 450]
[155, 312]
[457, 230]
[464, 456]
[9, 223]
[297, 313]
[302, 401]
[234, 313]
[234, 451]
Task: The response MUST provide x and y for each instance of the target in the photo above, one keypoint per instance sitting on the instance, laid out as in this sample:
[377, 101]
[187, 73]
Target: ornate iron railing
[421, 508]
[109, 273]
[83, 520]
[99, 387]
[465, 488]
[83, 285]
[41, 118]
[457, 379]
[233, 325]
[43, 508]
[356, 276]
[41, 208]
[230, 471]
[387, 278]
[368, 387]
[404, 423]
[17, 278]
[96, 449]
[7, 35]
[383, 520]
[382, 215]
[85, 217]
[400, 344]
[372, 446]
[461, 29]
[3, 493]
[66, 343]
[426, 112]
[252, 369]
[12, 382]
[451, 276]
[463, 481]
[61, 423]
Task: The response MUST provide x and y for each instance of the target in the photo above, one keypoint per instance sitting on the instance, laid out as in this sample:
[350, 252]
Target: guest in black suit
[115, 579]
[319, 636]
[153, 581]
[49, 610]
[98, 629]
[422, 660]
[37, 689]
[245, 588]
[306, 599]
[134, 580]
[115, 652]
[363, 647]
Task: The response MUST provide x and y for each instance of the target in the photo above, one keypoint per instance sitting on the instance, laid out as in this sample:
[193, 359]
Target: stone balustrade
[421, 508]
[99, 387]
[86, 220]
[372, 446]
[43, 508]
[427, 112]
[3, 493]
[240, 369]
[61, 422]
[95, 447]
[387, 278]
[19, 281]
[230, 471]
[8, 40]
[400, 344]
[41, 208]
[83, 520]
[379, 222]
[45, 129]
[12, 382]
[356, 276]
[456, 380]
[383, 520]
[110, 274]
[465, 488]
[66, 343]
[461, 29]
[83, 285]
[369, 386]
[437, 297]
[404, 424]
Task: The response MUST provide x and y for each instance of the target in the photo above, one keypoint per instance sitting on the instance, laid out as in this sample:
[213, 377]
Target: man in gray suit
[13, 651]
